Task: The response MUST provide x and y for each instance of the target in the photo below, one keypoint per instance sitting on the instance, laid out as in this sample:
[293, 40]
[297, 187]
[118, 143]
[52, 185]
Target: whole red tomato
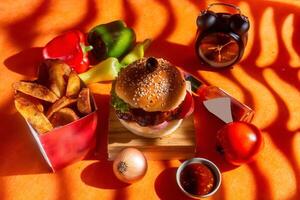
[240, 142]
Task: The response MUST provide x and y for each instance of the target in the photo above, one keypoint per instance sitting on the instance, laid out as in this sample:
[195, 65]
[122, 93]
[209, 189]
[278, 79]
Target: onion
[160, 126]
[130, 165]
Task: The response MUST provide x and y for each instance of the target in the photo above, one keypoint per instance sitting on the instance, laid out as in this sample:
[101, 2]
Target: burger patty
[144, 118]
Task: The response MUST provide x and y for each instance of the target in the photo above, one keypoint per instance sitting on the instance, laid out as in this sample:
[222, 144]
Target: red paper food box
[69, 143]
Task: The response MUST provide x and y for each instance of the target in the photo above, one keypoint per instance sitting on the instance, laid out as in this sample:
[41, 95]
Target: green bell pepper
[113, 39]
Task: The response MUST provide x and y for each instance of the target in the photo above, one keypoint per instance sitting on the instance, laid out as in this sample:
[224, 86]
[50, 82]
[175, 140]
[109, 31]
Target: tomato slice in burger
[187, 106]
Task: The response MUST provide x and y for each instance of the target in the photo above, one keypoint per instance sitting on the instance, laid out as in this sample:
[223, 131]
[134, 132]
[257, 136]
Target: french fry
[34, 100]
[83, 102]
[61, 103]
[35, 90]
[63, 116]
[57, 82]
[32, 114]
[73, 86]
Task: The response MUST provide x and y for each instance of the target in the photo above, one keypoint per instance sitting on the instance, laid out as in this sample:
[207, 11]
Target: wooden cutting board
[179, 145]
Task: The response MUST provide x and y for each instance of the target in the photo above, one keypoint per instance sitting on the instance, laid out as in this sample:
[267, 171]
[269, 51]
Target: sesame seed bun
[151, 84]
[151, 132]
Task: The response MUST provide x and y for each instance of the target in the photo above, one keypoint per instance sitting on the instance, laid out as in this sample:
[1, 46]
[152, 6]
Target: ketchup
[197, 179]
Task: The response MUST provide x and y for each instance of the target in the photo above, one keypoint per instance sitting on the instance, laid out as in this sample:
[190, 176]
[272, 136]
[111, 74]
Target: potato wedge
[57, 83]
[84, 102]
[35, 90]
[51, 62]
[73, 86]
[61, 103]
[63, 116]
[34, 100]
[43, 75]
[32, 114]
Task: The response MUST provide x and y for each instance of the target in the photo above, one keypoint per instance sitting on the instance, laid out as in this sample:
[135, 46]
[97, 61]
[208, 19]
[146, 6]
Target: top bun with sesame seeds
[152, 84]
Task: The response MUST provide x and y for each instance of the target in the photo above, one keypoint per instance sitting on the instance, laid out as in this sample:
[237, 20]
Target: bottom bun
[150, 132]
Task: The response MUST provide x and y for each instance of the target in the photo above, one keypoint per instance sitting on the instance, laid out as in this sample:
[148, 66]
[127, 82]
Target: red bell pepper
[71, 48]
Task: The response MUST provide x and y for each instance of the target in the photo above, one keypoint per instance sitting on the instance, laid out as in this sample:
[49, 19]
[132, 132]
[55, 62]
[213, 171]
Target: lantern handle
[224, 4]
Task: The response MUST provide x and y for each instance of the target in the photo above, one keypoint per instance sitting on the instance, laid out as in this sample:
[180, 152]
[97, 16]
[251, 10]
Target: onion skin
[130, 165]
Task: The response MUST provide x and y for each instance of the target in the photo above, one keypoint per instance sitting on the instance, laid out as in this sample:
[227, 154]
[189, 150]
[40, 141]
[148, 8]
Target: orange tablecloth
[267, 79]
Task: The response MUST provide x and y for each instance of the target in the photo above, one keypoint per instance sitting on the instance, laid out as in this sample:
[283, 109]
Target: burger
[151, 97]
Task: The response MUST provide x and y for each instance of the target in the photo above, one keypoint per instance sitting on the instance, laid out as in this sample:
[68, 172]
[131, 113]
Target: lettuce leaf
[118, 103]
